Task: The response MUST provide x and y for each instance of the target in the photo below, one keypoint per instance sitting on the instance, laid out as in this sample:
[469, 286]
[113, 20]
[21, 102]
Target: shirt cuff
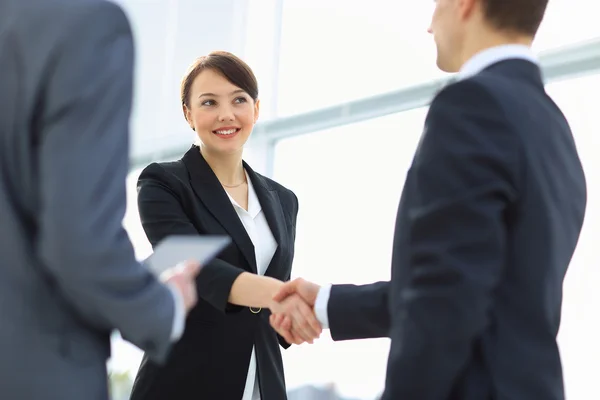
[179, 319]
[321, 306]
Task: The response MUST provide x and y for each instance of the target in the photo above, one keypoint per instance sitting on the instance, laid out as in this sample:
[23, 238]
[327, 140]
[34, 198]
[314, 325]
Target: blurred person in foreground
[68, 274]
[229, 350]
[490, 215]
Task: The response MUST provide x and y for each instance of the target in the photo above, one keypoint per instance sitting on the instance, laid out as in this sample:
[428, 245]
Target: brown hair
[518, 16]
[230, 66]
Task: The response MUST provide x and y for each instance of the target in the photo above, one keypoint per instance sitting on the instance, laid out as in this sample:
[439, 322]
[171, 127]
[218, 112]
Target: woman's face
[221, 113]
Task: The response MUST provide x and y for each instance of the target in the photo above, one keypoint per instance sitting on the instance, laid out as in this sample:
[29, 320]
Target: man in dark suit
[488, 221]
[68, 275]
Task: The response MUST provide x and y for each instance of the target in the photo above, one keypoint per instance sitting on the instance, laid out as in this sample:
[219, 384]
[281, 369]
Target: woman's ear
[256, 109]
[188, 116]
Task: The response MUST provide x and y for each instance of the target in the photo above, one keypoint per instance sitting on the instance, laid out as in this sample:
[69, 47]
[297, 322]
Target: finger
[297, 339]
[300, 325]
[167, 274]
[286, 323]
[283, 326]
[287, 336]
[312, 324]
[192, 268]
[309, 321]
[275, 320]
[286, 290]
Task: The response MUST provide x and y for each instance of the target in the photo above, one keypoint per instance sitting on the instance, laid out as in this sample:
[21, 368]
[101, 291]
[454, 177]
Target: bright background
[311, 54]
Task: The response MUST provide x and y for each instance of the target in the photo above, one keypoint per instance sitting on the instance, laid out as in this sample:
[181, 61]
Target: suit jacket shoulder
[58, 19]
[285, 194]
[170, 173]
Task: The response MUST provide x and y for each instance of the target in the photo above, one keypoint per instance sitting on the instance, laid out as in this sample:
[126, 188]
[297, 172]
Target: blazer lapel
[211, 193]
[271, 206]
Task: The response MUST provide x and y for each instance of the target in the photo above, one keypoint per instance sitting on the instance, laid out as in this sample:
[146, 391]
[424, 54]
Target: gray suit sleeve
[83, 163]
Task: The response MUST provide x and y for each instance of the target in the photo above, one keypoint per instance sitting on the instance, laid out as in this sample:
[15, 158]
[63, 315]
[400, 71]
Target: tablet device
[177, 248]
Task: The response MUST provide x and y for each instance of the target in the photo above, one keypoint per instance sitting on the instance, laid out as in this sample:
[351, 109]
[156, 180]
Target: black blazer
[489, 218]
[211, 359]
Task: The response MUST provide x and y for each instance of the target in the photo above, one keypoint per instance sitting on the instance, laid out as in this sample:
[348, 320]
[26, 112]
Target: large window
[261, 51]
[348, 181]
[568, 22]
[337, 50]
[169, 35]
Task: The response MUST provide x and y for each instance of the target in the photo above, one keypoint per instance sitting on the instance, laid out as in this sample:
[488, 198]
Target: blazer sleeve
[162, 214]
[463, 180]
[83, 161]
[359, 312]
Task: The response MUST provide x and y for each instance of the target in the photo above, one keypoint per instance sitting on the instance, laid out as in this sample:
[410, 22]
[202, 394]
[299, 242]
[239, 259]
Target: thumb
[192, 268]
[286, 290]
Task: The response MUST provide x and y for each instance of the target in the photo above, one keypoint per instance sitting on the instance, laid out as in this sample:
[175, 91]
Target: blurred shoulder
[66, 15]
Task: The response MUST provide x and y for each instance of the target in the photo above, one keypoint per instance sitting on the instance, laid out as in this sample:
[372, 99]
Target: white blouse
[264, 248]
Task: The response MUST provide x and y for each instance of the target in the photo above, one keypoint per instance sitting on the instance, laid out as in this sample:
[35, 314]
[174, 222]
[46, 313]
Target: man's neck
[485, 40]
[228, 168]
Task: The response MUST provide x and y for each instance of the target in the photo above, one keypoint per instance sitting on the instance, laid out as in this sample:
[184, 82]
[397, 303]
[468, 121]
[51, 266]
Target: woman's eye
[240, 100]
[208, 103]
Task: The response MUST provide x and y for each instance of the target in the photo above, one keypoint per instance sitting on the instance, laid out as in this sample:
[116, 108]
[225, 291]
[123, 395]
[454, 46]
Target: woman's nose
[226, 114]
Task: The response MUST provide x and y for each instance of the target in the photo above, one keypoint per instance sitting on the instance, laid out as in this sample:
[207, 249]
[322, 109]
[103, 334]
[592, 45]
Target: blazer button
[255, 310]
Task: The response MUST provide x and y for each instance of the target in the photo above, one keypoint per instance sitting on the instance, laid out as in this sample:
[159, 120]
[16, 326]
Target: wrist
[274, 287]
[252, 290]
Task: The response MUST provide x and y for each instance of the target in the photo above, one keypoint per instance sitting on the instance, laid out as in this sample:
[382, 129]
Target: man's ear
[467, 7]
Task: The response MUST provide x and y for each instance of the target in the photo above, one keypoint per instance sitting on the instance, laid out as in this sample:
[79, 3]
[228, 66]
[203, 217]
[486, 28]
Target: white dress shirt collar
[487, 57]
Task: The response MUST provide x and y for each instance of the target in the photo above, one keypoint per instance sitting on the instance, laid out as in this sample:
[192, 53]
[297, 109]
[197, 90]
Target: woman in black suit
[228, 350]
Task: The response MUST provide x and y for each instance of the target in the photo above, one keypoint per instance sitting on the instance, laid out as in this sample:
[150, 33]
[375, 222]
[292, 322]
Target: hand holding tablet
[177, 260]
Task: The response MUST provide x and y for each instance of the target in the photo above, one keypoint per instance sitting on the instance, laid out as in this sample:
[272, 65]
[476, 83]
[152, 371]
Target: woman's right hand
[296, 320]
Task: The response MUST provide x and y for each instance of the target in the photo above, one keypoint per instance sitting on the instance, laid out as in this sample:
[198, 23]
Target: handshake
[292, 312]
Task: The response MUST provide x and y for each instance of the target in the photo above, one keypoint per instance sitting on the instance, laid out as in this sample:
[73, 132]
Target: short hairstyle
[518, 16]
[230, 66]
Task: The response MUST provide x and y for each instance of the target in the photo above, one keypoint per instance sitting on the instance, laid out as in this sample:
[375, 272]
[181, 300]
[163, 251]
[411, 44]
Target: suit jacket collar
[209, 190]
[493, 55]
[521, 70]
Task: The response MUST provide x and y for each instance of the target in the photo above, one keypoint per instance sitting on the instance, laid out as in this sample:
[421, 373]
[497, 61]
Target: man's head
[461, 28]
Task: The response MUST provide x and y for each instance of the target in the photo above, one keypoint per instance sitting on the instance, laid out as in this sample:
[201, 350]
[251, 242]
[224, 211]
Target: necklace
[234, 186]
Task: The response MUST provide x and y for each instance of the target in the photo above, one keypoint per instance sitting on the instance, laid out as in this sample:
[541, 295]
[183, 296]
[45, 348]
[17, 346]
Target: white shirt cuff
[179, 319]
[321, 306]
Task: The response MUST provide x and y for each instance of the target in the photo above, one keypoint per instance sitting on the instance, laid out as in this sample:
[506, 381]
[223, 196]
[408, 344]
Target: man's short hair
[518, 16]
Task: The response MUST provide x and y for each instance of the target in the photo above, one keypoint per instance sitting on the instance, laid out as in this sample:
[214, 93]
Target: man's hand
[293, 318]
[183, 278]
[303, 325]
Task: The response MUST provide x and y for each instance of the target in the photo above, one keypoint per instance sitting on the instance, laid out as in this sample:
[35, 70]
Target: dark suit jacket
[211, 360]
[489, 218]
[68, 273]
